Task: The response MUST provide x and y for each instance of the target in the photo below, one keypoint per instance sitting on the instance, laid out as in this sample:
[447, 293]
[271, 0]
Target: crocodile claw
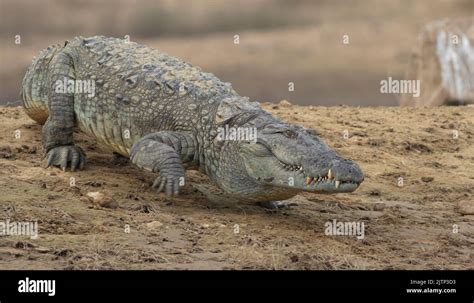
[169, 184]
[64, 156]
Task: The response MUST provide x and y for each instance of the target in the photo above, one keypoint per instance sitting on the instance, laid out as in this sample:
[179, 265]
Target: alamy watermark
[37, 286]
[336, 228]
[26, 228]
[237, 134]
[71, 86]
[393, 86]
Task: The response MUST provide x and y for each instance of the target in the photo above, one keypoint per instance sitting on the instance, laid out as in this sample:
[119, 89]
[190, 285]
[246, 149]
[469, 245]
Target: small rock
[24, 245]
[104, 199]
[5, 152]
[84, 199]
[427, 179]
[132, 196]
[95, 183]
[375, 142]
[380, 206]
[429, 130]
[42, 249]
[375, 192]
[466, 207]
[284, 103]
[153, 225]
[63, 252]
[294, 258]
[146, 208]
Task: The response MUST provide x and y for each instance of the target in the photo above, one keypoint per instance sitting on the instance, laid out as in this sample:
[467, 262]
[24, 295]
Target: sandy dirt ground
[415, 225]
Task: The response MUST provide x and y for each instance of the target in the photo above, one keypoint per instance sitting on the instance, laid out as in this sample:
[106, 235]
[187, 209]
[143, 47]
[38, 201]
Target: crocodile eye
[290, 134]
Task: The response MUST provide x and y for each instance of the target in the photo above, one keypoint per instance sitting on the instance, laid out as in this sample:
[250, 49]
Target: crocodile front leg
[168, 153]
[58, 143]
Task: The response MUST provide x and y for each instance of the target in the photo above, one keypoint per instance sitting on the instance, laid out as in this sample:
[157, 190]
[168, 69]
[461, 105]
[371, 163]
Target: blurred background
[280, 41]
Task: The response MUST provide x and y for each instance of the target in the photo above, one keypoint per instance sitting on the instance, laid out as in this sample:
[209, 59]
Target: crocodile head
[279, 160]
[295, 158]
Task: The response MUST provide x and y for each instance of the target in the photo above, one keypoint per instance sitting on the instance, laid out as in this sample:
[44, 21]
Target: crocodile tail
[35, 86]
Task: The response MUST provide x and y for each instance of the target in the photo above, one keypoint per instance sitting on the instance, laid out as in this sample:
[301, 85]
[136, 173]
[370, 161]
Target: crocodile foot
[64, 156]
[169, 183]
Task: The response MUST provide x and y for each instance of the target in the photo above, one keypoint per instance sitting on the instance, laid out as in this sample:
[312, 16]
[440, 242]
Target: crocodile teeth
[329, 174]
[337, 183]
[308, 180]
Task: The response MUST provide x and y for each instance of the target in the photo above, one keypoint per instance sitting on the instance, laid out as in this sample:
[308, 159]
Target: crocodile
[168, 116]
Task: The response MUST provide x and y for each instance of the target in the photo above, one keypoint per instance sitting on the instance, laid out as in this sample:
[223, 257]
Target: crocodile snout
[333, 174]
[346, 171]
